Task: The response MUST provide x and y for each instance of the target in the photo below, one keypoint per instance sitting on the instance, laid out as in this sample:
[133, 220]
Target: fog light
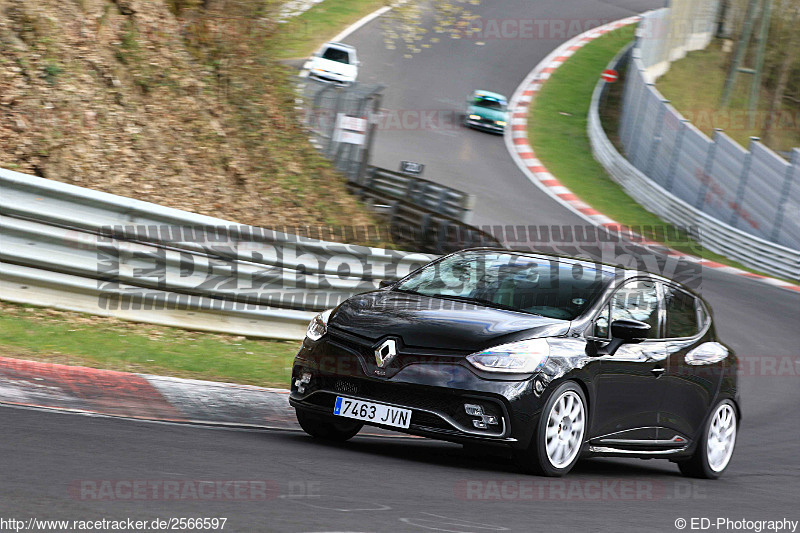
[304, 380]
[473, 410]
[485, 420]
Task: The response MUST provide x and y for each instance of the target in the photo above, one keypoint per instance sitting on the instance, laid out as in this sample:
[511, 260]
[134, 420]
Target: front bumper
[484, 125]
[435, 391]
[330, 77]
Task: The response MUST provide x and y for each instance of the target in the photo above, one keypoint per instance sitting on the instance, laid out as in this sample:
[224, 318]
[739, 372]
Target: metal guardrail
[32, 286]
[423, 193]
[424, 228]
[151, 263]
[712, 233]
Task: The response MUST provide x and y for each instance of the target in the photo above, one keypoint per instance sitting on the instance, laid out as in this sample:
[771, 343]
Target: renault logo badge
[385, 352]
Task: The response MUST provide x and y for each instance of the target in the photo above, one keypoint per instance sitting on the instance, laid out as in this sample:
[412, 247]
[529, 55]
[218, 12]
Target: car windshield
[338, 55]
[488, 103]
[537, 285]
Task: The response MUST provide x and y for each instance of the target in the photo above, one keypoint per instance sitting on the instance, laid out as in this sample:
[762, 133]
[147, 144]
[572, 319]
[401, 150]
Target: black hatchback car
[557, 358]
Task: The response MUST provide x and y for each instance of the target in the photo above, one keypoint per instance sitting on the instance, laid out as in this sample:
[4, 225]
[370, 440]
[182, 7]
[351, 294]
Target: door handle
[657, 371]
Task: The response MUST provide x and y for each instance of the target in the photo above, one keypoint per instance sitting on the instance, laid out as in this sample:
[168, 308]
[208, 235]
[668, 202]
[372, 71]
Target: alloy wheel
[721, 437]
[565, 429]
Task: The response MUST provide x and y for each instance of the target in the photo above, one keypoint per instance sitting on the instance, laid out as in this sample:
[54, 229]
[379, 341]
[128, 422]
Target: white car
[334, 62]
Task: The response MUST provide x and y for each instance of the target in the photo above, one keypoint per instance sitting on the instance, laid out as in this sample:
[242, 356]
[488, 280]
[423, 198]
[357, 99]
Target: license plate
[372, 412]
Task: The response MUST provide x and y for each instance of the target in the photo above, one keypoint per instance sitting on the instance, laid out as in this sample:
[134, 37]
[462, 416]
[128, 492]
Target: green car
[487, 111]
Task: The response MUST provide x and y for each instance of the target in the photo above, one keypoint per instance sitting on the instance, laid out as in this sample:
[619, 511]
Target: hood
[485, 112]
[334, 66]
[436, 323]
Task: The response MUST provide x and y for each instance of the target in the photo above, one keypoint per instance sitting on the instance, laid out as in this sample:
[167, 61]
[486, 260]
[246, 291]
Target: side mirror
[623, 331]
[631, 331]
[382, 284]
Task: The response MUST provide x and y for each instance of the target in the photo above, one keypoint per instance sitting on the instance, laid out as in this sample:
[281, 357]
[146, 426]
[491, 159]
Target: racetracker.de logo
[576, 490]
[173, 490]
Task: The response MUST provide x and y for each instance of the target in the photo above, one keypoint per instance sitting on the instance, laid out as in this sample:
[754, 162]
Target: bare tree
[790, 50]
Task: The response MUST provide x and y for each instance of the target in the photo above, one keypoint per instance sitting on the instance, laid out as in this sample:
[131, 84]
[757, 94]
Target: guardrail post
[336, 108]
[676, 150]
[467, 207]
[440, 201]
[425, 230]
[371, 130]
[637, 115]
[701, 195]
[792, 172]
[737, 203]
[640, 119]
[651, 158]
[442, 235]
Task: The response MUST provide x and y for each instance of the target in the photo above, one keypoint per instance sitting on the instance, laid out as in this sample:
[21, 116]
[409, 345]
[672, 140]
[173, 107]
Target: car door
[628, 394]
[690, 382]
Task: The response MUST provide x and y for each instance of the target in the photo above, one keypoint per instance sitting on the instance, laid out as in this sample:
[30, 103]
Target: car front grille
[365, 349]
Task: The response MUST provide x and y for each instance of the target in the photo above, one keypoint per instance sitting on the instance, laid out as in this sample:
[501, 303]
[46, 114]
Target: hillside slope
[187, 111]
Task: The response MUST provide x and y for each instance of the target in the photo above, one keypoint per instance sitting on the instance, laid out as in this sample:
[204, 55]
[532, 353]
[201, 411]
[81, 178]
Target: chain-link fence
[341, 121]
[754, 190]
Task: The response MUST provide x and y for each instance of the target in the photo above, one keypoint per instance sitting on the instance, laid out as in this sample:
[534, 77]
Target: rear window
[540, 286]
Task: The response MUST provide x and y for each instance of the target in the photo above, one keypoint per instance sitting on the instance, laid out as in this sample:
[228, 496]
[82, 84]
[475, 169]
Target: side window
[682, 315]
[638, 301]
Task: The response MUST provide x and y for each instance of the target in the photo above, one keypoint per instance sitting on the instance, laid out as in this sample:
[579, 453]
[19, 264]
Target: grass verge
[557, 124]
[75, 339]
[302, 35]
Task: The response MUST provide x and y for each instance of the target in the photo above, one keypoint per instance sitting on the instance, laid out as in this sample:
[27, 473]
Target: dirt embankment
[190, 112]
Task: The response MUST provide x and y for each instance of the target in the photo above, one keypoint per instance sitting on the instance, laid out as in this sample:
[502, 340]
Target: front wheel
[714, 451]
[558, 439]
[326, 427]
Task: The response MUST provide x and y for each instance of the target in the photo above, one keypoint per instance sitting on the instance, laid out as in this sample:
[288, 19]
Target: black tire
[326, 427]
[535, 459]
[698, 466]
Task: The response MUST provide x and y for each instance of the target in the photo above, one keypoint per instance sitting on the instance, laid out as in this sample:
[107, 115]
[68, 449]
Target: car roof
[341, 46]
[489, 94]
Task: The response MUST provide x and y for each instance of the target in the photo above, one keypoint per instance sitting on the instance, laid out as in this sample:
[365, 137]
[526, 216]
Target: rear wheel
[556, 445]
[715, 449]
[327, 427]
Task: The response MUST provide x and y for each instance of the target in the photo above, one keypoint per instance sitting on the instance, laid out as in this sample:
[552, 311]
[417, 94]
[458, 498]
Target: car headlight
[475, 117]
[318, 326]
[520, 357]
[500, 122]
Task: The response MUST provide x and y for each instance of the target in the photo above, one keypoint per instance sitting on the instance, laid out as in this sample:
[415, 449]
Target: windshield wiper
[480, 301]
[409, 291]
[469, 299]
